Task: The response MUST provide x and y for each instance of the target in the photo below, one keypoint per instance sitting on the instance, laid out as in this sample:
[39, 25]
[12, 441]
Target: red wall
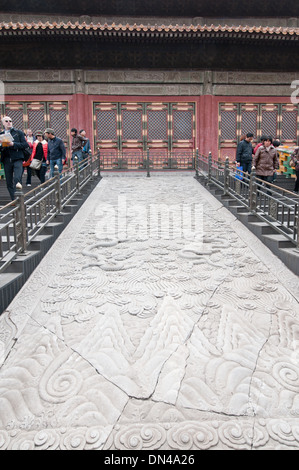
[207, 110]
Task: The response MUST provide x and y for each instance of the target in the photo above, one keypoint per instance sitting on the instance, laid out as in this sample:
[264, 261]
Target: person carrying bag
[39, 157]
[294, 162]
[12, 148]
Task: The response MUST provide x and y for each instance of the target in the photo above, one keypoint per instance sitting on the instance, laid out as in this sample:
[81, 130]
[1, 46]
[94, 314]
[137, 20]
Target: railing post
[90, 166]
[297, 226]
[76, 162]
[99, 165]
[226, 176]
[252, 191]
[196, 163]
[21, 214]
[57, 189]
[210, 168]
[148, 163]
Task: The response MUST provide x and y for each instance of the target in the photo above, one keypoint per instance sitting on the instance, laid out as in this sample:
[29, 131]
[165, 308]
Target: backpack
[27, 154]
[27, 151]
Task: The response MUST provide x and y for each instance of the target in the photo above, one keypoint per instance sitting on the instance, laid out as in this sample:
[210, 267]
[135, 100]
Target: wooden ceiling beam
[171, 8]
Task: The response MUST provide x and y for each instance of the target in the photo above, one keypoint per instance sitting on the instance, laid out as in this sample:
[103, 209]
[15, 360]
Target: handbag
[27, 154]
[239, 173]
[35, 164]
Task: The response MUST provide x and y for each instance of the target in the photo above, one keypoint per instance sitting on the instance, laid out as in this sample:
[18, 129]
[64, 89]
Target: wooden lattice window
[106, 122]
[182, 121]
[39, 115]
[36, 116]
[144, 125]
[157, 123]
[131, 121]
[249, 119]
[58, 119]
[276, 120]
[289, 120]
[228, 122]
[269, 120]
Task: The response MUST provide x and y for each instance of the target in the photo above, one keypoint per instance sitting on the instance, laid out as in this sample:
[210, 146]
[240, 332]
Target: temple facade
[173, 78]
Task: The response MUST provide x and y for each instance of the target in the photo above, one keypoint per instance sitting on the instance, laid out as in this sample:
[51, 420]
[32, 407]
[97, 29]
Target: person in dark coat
[56, 151]
[12, 154]
[244, 153]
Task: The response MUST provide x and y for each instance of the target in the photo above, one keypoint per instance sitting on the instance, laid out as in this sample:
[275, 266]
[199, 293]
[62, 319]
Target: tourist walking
[77, 144]
[276, 144]
[244, 153]
[12, 146]
[266, 161]
[40, 152]
[86, 149]
[294, 162]
[56, 151]
[262, 140]
[30, 139]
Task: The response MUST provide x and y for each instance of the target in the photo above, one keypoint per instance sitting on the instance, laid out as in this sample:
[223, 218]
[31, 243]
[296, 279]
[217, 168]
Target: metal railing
[22, 220]
[276, 206]
[147, 160]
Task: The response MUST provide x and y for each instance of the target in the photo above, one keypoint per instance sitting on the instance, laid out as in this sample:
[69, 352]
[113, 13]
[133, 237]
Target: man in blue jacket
[244, 153]
[12, 154]
[56, 151]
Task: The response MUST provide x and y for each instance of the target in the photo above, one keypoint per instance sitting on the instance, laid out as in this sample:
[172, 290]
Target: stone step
[290, 256]
[278, 240]
[69, 208]
[39, 240]
[23, 263]
[250, 217]
[279, 244]
[10, 284]
[234, 203]
[8, 257]
[8, 278]
[51, 227]
[263, 228]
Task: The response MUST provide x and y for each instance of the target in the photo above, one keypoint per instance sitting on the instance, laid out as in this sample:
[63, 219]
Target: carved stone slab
[156, 321]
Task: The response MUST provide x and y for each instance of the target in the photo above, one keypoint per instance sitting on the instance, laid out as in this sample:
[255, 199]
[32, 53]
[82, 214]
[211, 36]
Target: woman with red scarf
[40, 152]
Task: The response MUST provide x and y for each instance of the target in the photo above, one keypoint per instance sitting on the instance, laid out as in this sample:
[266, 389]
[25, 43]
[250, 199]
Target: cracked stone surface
[156, 321]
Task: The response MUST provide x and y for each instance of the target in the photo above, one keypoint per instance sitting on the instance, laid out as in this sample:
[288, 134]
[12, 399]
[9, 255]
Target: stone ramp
[144, 328]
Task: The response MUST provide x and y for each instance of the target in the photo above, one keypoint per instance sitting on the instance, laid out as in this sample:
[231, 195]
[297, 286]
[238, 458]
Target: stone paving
[156, 321]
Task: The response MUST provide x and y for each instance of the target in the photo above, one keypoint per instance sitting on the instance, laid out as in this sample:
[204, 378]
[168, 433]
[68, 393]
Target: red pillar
[208, 130]
[81, 114]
